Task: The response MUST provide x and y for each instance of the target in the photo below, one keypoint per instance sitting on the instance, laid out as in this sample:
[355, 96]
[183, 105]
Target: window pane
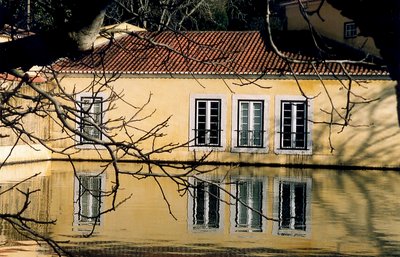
[199, 206]
[286, 129]
[257, 124]
[256, 203]
[300, 139]
[213, 206]
[202, 105]
[243, 197]
[300, 208]
[215, 105]
[284, 205]
[244, 124]
[201, 122]
[214, 137]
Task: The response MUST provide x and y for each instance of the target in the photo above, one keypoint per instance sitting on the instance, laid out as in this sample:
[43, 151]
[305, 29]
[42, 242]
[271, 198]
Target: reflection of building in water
[87, 199]
[13, 200]
[204, 206]
[292, 206]
[144, 221]
[248, 205]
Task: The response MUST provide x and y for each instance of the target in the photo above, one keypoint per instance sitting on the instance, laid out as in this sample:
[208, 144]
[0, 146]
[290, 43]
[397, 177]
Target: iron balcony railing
[208, 137]
[250, 138]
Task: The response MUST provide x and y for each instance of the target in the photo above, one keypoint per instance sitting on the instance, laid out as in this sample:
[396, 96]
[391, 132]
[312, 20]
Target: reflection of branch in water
[19, 183]
[24, 225]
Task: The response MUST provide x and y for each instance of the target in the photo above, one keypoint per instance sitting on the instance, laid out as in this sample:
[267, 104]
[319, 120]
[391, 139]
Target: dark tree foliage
[65, 27]
[246, 15]
[157, 15]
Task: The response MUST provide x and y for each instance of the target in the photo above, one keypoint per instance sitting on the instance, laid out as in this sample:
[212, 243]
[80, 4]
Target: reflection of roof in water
[205, 53]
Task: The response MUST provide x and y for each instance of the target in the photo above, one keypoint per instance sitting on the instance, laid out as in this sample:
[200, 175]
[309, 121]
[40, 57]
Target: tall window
[248, 205]
[250, 123]
[350, 30]
[205, 207]
[91, 115]
[208, 122]
[250, 126]
[293, 125]
[88, 199]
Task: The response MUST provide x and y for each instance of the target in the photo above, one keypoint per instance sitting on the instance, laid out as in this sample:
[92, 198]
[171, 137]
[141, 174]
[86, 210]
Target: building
[305, 211]
[227, 94]
[329, 23]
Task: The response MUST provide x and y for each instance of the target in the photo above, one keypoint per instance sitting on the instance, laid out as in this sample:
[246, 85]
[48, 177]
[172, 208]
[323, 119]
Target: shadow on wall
[373, 138]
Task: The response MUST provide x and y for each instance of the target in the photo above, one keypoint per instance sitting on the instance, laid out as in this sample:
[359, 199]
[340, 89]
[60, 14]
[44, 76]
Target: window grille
[293, 128]
[91, 115]
[250, 126]
[208, 123]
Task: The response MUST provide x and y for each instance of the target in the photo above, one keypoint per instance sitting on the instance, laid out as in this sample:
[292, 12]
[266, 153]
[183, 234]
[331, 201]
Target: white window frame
[276, 230]
[77, 207]
[236, 121]
[234, 202]
[278, 149]
[192, 121]
[192, 202]
[89, 145]
[350, 30]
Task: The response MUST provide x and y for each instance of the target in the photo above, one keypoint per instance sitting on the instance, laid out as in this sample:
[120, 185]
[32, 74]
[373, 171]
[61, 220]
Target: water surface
[247, 211]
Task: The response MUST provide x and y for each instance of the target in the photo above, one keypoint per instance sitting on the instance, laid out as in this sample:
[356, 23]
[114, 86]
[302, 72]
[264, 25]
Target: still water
[229, 211]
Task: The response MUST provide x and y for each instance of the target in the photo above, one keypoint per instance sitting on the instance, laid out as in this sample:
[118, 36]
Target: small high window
[350, 30]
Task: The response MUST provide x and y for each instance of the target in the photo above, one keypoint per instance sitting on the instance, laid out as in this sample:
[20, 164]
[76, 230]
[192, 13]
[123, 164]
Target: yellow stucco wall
[370, 141]
[15, 146]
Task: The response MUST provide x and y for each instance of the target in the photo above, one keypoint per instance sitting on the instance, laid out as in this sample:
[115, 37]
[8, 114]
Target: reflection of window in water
[87, 202]
[292, 206]
[248, 205]
[205, 206]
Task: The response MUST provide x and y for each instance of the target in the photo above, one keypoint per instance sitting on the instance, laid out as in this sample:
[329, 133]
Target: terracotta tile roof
[206, 53]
